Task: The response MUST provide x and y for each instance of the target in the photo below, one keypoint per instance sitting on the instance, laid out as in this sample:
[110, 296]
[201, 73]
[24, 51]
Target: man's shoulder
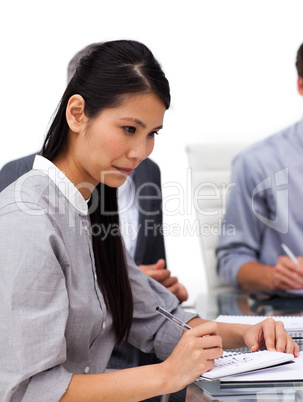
[271, 144]
[148, 169]
[12, 170]
[25, 161]
[18, 167]
[149, 164]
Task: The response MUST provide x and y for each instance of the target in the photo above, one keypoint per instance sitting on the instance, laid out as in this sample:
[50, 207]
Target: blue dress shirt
[265, 204]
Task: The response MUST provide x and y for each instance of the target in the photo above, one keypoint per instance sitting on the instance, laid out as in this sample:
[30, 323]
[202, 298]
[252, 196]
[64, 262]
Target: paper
[295, 291]
[235, 363]
[288, 372]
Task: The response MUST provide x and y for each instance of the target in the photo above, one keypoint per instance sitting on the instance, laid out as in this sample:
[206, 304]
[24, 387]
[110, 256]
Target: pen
[290, 254]
[172, 318]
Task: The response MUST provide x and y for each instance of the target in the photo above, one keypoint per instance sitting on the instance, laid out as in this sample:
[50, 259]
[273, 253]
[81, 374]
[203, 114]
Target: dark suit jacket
[150, 241]
[14, 169]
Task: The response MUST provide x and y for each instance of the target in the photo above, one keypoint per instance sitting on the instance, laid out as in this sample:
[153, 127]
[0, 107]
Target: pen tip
[157, 308]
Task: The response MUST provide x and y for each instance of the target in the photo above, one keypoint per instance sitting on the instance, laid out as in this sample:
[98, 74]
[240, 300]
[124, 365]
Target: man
[265, 207]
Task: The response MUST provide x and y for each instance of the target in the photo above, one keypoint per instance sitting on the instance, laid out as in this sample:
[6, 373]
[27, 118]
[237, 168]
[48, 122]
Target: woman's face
[107, 148]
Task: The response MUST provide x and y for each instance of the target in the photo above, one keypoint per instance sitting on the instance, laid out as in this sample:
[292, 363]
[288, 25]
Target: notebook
[288, 372]
[293, 324]
[257, 383]
[232, 363]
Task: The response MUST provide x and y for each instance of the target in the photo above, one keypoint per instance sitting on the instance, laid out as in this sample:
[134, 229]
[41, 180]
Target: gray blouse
[54, 321]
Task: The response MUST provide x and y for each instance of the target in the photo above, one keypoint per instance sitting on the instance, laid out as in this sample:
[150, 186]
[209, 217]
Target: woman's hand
[193, 355]
[270, 334]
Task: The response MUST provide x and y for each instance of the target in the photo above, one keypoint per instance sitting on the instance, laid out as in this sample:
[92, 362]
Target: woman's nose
[138, 150]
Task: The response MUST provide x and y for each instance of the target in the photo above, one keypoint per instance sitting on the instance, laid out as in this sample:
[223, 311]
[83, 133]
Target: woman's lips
[125, 171]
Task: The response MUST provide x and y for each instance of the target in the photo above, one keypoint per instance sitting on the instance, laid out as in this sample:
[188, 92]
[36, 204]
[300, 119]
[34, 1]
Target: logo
[280, 223]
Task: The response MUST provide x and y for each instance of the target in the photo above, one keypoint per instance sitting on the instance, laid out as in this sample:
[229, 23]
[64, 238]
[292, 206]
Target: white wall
[230, 64]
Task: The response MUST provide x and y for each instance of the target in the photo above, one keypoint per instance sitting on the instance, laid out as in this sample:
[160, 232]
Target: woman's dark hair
[109, 72]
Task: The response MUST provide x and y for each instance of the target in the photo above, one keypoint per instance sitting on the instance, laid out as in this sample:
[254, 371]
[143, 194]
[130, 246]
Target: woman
[69, 293]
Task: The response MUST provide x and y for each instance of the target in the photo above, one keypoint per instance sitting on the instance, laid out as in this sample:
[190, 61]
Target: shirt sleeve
[150, 331]
[240, 242]
[34, 309]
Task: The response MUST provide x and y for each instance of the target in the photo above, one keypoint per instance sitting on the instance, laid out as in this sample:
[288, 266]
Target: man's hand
[287, 274]
[158, 272]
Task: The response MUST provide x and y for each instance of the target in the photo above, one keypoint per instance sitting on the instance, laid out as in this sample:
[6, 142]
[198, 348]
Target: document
[232, 363]
[287, 372]
[293, 324]
[295, 291]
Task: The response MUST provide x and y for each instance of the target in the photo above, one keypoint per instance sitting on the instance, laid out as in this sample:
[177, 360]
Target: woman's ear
[75, 113]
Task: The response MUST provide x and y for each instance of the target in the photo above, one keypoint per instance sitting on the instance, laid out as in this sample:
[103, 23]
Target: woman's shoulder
[26, 192]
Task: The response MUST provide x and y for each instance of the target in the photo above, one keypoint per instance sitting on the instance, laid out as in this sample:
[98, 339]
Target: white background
[230, 64]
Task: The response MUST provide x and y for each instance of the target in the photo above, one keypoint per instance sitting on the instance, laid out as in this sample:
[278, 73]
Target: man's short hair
[72, 65]
[299, 61]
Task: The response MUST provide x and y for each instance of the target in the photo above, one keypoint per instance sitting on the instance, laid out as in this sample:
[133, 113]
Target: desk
[291, 393]
[233, 302]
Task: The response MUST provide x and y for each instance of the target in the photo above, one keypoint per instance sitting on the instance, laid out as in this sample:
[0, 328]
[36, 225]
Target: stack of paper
[237, 363]
[287, 372]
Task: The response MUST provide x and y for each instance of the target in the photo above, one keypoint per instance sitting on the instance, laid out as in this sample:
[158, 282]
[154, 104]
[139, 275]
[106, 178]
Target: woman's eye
[130, 129]
[152, 134]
